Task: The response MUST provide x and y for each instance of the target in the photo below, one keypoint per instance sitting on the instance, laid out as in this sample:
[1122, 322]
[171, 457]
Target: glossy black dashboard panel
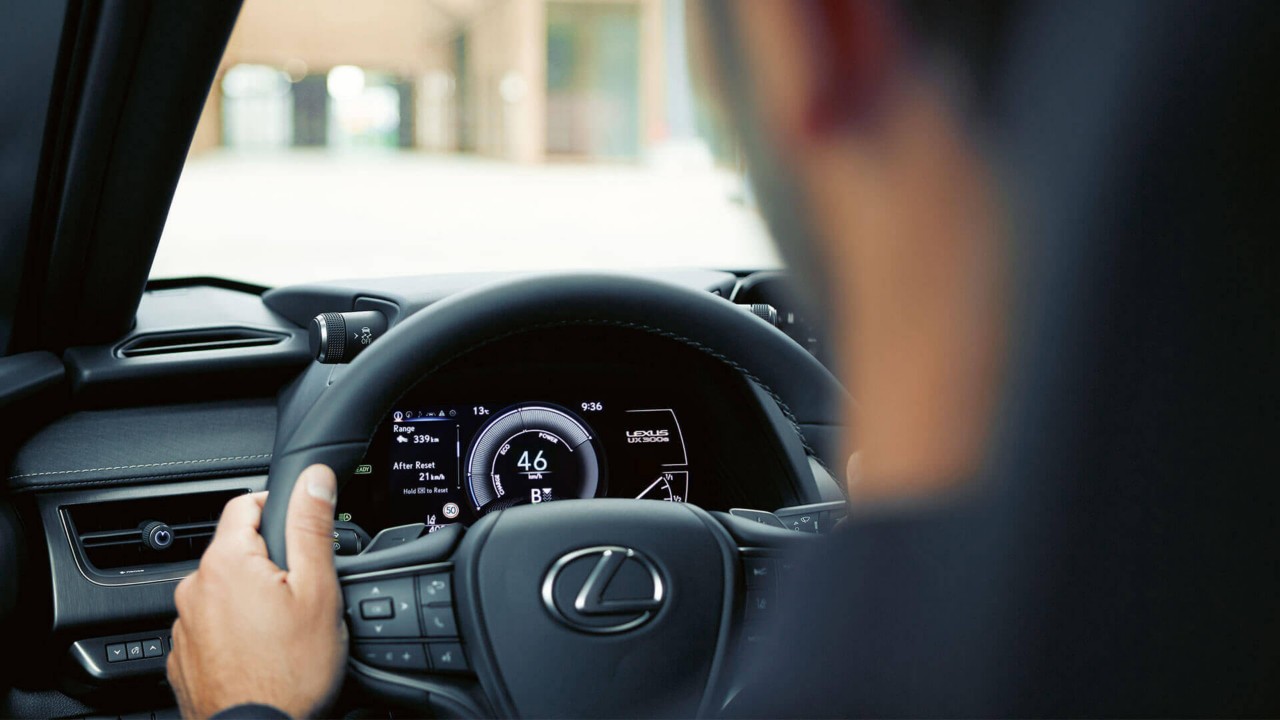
[577, 412]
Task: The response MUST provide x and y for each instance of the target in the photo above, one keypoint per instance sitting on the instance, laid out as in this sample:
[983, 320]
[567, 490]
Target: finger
[238, 526]
[173, 666]
[174, 672]
[179, 634]
[182, 593]
[308, 531]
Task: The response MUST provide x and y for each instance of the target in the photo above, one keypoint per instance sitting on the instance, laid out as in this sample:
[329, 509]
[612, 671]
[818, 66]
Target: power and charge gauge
[532, 453]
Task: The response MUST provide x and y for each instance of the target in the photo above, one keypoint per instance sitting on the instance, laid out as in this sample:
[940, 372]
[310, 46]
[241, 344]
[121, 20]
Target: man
[1065, 486]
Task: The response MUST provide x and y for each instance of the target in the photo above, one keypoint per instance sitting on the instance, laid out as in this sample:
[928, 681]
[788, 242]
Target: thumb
[308, 531]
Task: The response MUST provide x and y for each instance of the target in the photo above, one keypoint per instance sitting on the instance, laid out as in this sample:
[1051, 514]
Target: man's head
[860, 129]
[1120, 552]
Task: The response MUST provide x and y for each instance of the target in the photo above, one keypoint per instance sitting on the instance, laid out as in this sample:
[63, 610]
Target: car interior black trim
[449, 695]
[227, 345]
[27, 374]
[191, 281]
[717, 680]
[48, 94]
[125, 142]
[420, 554]
[471, 618]
[146, 444]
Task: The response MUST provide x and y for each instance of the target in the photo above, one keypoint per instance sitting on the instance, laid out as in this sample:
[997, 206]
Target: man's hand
[249, 632]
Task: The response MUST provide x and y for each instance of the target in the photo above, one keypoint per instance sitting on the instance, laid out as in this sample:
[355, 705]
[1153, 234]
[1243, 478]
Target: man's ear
[817, 67]
[852, 47]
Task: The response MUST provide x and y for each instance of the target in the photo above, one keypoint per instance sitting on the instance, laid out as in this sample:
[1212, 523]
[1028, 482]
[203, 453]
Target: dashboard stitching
[212, 472]
[143, 465]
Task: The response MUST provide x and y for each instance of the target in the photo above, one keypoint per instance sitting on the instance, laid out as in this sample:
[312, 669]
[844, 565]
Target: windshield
[406, 137]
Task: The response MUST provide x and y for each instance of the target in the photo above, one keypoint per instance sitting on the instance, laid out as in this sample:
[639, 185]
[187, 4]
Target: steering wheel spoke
[403, 620]
[400, 610]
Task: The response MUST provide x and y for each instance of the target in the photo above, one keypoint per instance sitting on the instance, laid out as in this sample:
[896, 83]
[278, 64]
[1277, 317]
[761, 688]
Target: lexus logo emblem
[606, 589]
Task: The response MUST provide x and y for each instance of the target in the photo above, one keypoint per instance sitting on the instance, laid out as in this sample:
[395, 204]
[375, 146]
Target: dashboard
[164, 425]
[578, 413]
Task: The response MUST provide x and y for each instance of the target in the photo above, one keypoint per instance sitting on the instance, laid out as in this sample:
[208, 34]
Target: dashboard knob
[157, 535]
[339, 337]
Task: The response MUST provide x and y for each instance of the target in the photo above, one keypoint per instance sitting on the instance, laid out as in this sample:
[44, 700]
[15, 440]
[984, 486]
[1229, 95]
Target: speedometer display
[455, 462]
[565, 414]
[531, 453]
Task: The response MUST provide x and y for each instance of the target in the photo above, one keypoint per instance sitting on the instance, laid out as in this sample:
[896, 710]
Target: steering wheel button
[386, 608]
[153, 647]
[447, 657]
[759, 605]
[761, 572]
[377, 609]
[436, 588]
[439, 622]
[400, 656]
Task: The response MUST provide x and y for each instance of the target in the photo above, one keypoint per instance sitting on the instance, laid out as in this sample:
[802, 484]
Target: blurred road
[302, 216]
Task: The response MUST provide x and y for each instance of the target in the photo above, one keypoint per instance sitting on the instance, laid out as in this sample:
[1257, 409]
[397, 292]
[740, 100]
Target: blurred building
[522, 80]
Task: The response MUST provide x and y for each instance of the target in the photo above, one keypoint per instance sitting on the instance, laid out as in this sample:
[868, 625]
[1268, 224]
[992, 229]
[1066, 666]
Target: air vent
[109, 536]
[230, 338]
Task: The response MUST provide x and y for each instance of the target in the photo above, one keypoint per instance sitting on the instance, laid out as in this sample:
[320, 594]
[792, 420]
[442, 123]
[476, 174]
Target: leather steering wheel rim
[336, 430]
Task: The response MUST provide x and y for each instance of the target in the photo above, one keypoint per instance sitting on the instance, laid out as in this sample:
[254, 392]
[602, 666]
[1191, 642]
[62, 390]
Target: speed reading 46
[531, 452]
[537, 464]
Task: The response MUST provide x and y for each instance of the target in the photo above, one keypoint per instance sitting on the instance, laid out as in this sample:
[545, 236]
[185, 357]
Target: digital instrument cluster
[572, 412]
[453, 463]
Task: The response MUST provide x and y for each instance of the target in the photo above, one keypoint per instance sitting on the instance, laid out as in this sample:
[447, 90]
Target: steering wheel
[601, 607]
